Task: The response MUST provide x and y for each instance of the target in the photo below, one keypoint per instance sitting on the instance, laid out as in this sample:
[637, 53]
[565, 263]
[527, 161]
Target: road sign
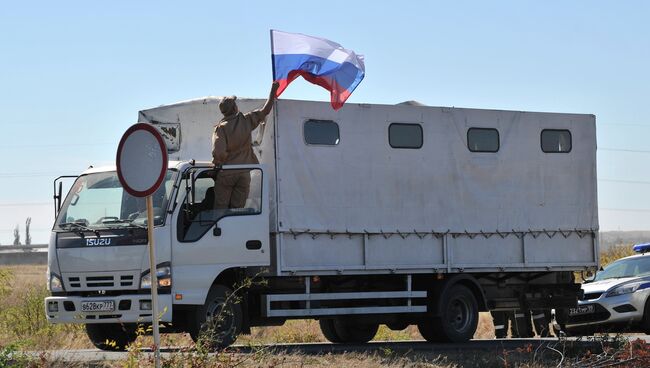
[141, 160]
[141, 166]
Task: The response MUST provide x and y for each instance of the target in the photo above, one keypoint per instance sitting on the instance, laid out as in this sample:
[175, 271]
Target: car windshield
[629, 267]
[98, 201]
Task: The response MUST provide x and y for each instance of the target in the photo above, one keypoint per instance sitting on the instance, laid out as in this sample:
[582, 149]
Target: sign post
[141, 167]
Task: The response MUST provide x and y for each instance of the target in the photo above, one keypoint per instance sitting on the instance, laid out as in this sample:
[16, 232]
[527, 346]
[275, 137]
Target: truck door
[211, 236]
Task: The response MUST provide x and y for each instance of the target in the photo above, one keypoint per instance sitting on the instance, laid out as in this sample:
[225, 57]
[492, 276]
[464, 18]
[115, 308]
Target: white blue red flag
[317, 60]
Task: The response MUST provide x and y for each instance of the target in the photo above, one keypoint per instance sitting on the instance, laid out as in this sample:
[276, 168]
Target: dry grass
[22, 317]
[614, 253]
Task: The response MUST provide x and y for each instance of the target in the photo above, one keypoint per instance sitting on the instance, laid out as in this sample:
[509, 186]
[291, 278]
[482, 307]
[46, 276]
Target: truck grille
[101, 281]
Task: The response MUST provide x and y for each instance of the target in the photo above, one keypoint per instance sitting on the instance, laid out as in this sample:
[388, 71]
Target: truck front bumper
[132, 308]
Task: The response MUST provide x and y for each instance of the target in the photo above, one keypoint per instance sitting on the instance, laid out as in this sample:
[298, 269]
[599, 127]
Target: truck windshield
[98, 201]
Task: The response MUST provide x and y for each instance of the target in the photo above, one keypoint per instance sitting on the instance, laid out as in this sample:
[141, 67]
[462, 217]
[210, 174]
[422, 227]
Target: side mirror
[216, 231]
[58, 197]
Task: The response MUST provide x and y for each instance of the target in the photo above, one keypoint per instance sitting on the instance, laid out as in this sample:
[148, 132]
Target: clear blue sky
[73, 75]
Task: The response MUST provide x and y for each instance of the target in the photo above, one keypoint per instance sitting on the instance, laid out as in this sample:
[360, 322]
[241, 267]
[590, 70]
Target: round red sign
[141, 160]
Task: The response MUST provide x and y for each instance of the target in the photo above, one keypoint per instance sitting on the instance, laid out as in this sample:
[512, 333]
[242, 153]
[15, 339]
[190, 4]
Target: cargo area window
[483, 140]
[200, 210]
[321, 132]
[402, 135]
[556, 141]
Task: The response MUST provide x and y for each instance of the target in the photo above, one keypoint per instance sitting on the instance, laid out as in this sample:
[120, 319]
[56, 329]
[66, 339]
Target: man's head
[228, 106]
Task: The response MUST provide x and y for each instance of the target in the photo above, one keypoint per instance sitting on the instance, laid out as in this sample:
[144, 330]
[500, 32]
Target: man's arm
[269, 103]
[219, 146]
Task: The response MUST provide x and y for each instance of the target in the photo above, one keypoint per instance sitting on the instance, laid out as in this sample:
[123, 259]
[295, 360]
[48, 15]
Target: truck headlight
[163, 273]
[628, 288]
[55, 285]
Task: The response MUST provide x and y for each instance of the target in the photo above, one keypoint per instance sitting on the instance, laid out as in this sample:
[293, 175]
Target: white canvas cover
[364, 185]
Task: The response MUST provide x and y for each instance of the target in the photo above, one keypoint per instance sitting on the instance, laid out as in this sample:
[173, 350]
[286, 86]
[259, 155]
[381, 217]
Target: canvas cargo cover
[365, 185]
[362, 184]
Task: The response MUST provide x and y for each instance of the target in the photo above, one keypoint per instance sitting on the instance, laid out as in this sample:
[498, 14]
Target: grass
[22, 316]
[615, 252]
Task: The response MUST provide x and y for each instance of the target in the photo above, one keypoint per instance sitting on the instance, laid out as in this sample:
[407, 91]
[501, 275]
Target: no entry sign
[141, 160]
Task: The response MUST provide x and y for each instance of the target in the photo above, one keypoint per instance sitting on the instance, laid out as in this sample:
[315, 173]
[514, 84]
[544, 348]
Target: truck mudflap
[133, 308]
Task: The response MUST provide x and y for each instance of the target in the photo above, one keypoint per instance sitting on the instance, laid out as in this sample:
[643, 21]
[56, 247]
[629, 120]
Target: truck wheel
[329, 331]
[458, 317]
[350, 331]
[111, 336]
[398, 326]
[217, 324]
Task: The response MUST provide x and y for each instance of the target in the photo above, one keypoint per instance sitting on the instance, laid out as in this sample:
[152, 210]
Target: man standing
[231, 145]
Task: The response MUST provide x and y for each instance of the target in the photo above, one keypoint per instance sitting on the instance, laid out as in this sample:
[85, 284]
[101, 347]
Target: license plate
[582, 309]
[99, 306]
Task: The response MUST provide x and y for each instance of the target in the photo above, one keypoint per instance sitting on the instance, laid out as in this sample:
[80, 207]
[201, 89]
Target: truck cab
[98, 269]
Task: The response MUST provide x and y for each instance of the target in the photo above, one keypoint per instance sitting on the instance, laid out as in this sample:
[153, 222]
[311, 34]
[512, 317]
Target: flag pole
[272, 60]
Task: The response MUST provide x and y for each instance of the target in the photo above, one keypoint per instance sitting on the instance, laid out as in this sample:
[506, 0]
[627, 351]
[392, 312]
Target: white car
[616, 300]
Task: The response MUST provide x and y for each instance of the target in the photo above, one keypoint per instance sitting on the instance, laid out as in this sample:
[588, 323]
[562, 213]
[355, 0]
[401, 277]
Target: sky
[73, 76]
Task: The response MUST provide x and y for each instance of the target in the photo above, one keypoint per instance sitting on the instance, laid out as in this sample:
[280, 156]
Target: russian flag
[317, 60]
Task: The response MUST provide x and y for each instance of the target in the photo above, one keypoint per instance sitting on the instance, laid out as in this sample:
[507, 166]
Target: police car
[616, 299]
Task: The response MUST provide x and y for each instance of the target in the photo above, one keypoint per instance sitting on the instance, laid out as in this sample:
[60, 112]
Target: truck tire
[350, 331]
[398, 326]
[329, 331]
[218, 322]
[111, 336]
[457, 320]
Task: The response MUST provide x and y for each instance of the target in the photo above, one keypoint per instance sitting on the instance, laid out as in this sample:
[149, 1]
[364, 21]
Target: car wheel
[645, 322]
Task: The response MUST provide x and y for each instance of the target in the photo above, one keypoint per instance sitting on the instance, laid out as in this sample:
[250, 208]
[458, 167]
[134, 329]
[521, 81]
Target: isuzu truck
[373, 214]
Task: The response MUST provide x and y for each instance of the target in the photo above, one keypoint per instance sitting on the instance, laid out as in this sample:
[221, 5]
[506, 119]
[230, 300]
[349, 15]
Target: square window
[556, 141]
[483, 140]
[321, 132]
[405, 135]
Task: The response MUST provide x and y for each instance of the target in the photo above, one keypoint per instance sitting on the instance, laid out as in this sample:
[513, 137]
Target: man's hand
[274, 88]
[269, 103]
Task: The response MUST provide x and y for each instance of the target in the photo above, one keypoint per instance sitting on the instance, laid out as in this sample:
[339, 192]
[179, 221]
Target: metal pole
[154, 282]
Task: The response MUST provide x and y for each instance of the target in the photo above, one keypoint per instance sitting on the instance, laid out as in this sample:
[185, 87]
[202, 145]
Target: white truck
[374, 214]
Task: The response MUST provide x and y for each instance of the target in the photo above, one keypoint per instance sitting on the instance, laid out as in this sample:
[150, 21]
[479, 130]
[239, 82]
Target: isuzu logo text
[95, 242]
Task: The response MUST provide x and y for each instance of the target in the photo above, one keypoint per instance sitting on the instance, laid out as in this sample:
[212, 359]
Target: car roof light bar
[642, 248]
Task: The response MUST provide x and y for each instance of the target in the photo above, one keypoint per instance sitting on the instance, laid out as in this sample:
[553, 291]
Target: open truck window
[483, 140]
[405, 135]
[556, 141]
[200, 211]
[321, 132]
